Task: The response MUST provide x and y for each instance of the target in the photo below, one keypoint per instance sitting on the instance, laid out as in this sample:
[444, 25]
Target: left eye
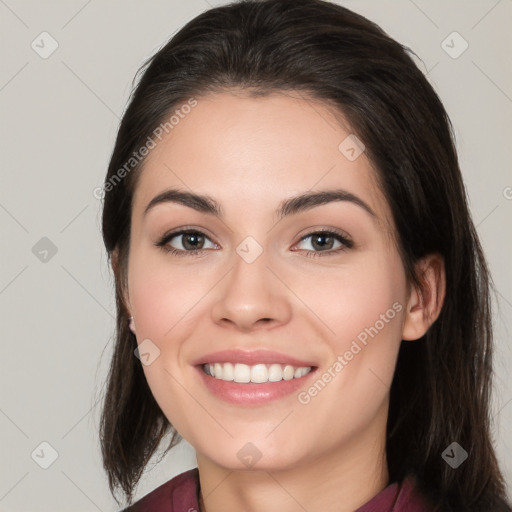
[324, 241]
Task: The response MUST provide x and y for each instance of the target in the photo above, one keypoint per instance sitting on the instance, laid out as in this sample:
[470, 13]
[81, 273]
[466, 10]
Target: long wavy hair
[442, 384]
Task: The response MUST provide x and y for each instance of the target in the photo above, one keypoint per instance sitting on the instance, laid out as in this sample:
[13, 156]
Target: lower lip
[251, 393]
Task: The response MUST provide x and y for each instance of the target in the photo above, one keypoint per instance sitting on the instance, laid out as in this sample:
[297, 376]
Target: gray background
[59, 119]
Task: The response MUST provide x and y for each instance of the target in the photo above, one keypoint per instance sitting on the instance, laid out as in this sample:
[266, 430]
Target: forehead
[258, 151]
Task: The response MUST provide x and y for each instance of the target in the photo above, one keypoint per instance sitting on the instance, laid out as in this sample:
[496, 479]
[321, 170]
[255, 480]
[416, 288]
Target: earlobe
[132, 324]
[424, 304]
[114, 258]
[114, 261]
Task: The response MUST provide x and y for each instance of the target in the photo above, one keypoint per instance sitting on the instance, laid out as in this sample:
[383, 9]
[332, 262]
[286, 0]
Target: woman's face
[265, 285]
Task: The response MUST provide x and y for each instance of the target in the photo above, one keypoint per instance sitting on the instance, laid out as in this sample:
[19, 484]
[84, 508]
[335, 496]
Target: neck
[342, 481]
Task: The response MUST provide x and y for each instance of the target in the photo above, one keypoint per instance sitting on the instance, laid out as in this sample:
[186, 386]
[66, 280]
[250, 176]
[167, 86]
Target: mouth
[252, 379]
[259, 373]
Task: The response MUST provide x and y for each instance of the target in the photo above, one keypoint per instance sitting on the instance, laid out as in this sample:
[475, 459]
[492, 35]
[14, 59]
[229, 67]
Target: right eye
[189, 241]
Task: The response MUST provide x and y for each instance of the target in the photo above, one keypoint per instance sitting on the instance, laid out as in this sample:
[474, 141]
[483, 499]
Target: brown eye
[185, 241]
[325, 241]
[321, 241]
[192, 241]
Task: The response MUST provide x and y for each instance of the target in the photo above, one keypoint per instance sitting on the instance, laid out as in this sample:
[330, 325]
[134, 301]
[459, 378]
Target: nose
[251, 297]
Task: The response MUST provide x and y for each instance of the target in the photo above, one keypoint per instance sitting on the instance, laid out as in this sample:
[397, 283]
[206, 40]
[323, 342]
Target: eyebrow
[291, 206]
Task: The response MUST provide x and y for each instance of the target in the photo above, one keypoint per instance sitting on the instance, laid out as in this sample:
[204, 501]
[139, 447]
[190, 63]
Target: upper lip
[251, 357]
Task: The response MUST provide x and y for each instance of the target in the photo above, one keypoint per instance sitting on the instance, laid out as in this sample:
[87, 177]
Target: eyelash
[162, 243]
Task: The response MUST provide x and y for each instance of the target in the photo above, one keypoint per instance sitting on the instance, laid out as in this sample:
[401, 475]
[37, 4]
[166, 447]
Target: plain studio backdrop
[61, 100]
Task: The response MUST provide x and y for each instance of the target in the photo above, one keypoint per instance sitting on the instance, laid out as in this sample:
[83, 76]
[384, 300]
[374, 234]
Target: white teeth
[228, 371]
[288, 372]
[275, 373]
[242, 373]
[258, 373]
[217, 370]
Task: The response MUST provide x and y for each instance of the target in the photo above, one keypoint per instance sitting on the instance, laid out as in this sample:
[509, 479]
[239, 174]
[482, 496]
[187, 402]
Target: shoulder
[411, 497]
[404, 496]
[176, 495]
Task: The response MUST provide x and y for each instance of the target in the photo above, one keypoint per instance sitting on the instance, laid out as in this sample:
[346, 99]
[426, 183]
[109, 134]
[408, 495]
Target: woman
[301, 293]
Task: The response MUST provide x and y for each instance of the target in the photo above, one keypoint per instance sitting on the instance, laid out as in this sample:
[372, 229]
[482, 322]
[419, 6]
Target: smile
[259, 373]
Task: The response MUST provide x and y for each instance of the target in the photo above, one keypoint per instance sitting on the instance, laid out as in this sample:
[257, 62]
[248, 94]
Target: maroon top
[181, 494]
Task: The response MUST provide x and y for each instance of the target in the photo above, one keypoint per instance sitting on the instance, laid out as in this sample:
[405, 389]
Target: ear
[424, 304]
[114, 258]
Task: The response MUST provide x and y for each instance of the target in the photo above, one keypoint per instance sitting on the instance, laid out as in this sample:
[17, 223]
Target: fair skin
[250, 154]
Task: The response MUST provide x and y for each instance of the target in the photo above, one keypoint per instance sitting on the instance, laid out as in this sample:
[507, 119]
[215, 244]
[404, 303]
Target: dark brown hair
[442, 385]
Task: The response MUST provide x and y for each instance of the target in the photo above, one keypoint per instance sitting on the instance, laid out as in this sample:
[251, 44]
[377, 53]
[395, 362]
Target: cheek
[162, 296]
[362, 307]
[163, 300]
[376, 316]
[166, 303]
[362, 300]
